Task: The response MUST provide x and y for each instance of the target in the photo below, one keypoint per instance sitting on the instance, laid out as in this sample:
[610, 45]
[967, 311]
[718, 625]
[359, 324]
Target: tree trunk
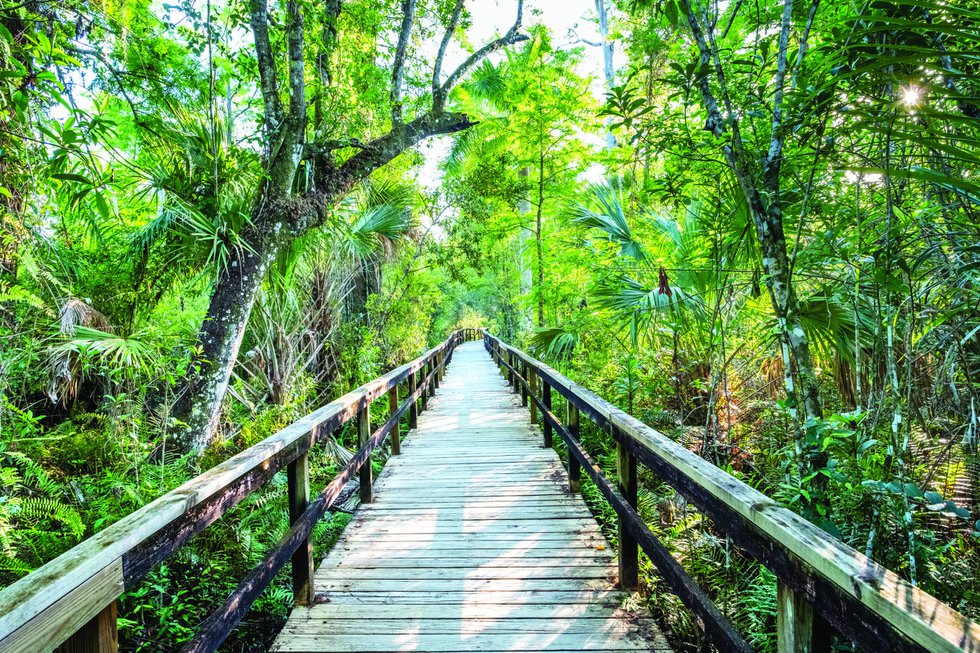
[607, 64]
[537, 236]
[199, 406]
[524, 208]
[278, 219]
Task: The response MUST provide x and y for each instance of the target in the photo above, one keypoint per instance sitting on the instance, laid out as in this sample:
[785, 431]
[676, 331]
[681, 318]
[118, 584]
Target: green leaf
[70, 176]
[913, 491]
[933, 497]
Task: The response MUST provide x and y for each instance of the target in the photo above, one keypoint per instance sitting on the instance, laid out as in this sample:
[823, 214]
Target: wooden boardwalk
[472, 543]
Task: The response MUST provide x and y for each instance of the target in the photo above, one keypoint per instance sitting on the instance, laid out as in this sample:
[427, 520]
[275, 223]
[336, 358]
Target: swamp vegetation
[753, 226]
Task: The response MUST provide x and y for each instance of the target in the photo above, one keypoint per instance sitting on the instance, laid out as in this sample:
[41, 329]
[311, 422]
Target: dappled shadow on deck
[472, 543]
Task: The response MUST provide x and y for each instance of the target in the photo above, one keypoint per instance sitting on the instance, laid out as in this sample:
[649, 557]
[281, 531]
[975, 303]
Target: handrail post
[99, 635]
[437, 371]
[523, 368]
[413, 410]
[425, 388]
[532, 379]
[574, 468]
[430, 378]
[546, 400]
[396, 443]
[298, 482]
[363, 434]
[799, 629]
[629, 551]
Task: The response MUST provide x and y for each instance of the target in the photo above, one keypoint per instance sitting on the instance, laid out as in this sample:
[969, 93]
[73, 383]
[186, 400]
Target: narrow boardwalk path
[472, 543]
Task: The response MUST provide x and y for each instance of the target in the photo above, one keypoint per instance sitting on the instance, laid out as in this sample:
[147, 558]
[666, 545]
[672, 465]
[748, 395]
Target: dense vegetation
[761, 237]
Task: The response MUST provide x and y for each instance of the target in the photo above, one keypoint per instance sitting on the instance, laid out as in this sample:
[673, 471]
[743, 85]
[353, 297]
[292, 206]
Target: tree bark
[537, 237]
[278, 219]
[762, 196]
[607, 64]
[199, 407]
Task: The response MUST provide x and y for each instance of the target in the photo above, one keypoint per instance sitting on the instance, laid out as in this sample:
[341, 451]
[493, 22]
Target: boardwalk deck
[472, 544]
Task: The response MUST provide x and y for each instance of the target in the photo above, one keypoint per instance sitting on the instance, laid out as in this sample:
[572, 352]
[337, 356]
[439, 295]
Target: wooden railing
[71, 601]
[823, 584]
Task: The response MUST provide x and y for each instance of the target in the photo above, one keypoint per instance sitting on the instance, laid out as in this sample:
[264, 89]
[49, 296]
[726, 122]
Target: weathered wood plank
[298, 481]
[474, 518]
[70, 613]
[99, 635]
[864, 601]
[459, 642]
[151, 534]
[583, 568]
[335, 612]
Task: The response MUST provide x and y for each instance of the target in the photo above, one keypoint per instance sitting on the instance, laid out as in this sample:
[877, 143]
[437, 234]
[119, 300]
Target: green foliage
[130, 170]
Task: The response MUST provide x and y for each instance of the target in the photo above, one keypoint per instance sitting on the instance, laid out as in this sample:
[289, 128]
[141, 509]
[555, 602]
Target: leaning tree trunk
[280, 214]
[199, 406]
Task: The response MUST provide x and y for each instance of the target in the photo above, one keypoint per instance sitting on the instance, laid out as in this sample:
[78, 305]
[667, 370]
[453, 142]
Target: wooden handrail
[76, 592]
[861, 599]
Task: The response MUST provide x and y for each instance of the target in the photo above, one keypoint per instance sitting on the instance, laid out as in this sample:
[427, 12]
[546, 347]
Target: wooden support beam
[396, 443]
[629, 562]
[98, 635]
[363, 434]
[798, 628]
[425, 389]
[413, 410]
[437, 368]
[546, 400]
[523, 369]
[574, 467]
[431, 377]
[298, 482]
[532, 379]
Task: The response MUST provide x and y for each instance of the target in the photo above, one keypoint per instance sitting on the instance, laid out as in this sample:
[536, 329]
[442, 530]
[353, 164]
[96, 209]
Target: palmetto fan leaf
[378, 214]
[554, 342]
[120, 351]
[202, 190]
[476, 145]
[604, 212]
[641, 306]
[488, 81]
[386, 221]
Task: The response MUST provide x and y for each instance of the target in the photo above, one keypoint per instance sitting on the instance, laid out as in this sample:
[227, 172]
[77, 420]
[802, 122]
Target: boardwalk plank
[473, 543]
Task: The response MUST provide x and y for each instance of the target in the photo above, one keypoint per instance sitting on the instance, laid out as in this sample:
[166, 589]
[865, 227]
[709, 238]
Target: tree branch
[259, 12]
[716, 122]
[512, 36]
[772, 160]
[408, 16]
[804, 40]
[373, 155]
[446, 38]
[297, 85]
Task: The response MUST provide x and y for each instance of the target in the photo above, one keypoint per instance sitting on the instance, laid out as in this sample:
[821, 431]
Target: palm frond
[555, 343]
[118, 350]
[604, 212]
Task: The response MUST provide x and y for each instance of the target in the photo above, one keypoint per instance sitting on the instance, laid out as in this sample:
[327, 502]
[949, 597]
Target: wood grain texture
[472, 543]
[71, 613]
